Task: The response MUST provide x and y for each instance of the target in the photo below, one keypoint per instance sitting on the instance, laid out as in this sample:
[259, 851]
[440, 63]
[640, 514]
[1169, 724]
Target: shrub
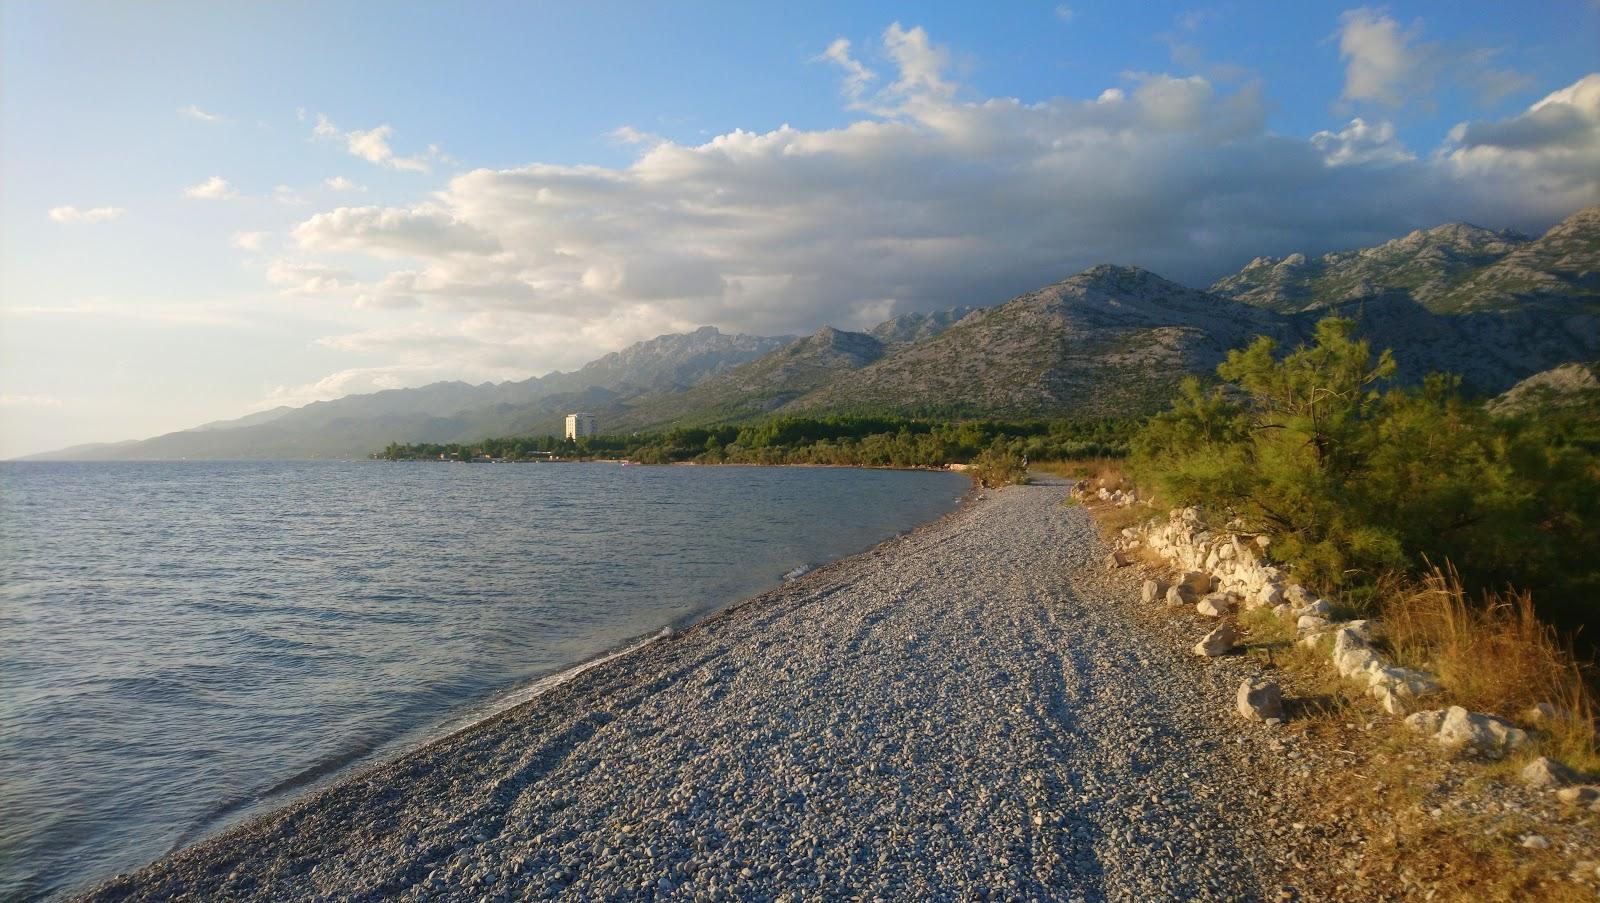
[1357, 479]
[997, 466]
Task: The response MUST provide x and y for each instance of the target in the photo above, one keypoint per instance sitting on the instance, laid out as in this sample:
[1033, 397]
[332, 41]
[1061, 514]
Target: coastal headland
[969, 711]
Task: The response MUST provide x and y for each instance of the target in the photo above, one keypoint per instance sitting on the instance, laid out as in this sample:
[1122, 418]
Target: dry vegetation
[1386, 816]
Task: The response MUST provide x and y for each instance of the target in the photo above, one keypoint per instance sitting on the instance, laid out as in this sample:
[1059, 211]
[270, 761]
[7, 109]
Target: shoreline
[538, 799]
[506, 701]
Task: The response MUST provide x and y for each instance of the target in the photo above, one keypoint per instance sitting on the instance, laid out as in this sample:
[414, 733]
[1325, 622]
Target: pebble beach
[972, 711]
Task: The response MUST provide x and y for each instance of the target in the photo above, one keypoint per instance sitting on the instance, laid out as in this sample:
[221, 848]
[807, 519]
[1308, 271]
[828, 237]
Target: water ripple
[189, 642]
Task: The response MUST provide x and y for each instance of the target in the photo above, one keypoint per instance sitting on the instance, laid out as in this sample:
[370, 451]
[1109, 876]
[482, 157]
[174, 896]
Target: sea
[186, 644]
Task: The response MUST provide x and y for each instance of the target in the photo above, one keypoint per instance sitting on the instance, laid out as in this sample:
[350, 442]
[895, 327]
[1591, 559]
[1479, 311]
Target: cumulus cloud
[340, 183]
[930, 198]
[250, 241]
[1378, 59]
[1391, 66]
[373, 146]
[1361, 142]
[194, 112]
[215, 188]
[1552, 148]
[426, 230]
[71, 214]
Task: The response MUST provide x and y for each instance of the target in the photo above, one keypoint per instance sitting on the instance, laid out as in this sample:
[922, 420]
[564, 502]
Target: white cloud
[1064, 12]
[215, 188]
[372, 145]
[286, 194]
[1553, 147]
[924, 201]
[30, 401]
[1391, 66]
[302, 278]
[857, 76]
[340, 183]
[1378, 61]
[70, 214]
[1361, 142]
[921, 64]
[194, 112]
[425, 230]
[250, 241]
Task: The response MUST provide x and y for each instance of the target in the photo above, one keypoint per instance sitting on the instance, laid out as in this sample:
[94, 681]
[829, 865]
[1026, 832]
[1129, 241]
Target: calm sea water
[185, 644]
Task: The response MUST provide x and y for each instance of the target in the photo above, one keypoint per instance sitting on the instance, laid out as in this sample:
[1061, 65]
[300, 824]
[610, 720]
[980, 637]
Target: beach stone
[1116, 560]
[1214, 606]
[1218, 642]
[1260, 699]
[1536, 842]
[1151, 591]
[1544, 773]
[1179, 595]
[1196, 582]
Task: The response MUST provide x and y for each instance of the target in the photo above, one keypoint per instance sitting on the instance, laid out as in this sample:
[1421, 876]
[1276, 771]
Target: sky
[213, 209]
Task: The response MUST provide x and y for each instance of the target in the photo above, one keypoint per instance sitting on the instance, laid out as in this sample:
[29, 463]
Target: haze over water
[187, 643]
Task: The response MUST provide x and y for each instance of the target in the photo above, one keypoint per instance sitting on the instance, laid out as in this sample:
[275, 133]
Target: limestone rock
[1544, 773]
[1260, 699]
[1116, 560]
[1196, 582]
[1284, 610]
[1217, 642]
[1215, 605]
[1310, 624]
[1479, 733]
[1179, 595]
[1426, 723]
[1150, 592]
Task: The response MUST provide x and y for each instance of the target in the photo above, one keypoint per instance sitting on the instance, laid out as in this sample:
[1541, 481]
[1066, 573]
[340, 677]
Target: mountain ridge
[1108, 341]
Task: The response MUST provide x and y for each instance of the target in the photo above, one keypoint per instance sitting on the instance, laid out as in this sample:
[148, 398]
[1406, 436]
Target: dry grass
[1099, 472]
[1411, 831]
[1495, 655]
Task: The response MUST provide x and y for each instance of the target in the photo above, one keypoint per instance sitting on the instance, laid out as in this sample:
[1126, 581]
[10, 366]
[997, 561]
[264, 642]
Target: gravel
[968, 712]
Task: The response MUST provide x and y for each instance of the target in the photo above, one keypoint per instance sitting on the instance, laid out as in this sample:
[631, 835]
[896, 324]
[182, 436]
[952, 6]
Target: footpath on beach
[967, 712]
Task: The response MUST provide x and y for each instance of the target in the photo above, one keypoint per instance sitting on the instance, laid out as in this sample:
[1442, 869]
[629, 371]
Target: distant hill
[1453, 268]
[355, 425]
[1570, 386]
[1495, 307]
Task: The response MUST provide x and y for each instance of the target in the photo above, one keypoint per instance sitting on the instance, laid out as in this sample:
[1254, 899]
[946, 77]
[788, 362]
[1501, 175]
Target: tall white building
[580, 425]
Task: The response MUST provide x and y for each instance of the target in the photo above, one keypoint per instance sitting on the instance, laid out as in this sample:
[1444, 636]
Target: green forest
[837, 440]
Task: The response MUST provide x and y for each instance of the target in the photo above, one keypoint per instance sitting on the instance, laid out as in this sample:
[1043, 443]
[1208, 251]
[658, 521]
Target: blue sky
[214, 208]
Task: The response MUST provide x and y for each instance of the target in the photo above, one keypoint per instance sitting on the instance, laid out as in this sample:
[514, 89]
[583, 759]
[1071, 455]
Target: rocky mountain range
[1453, 268]
[1110, 341]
